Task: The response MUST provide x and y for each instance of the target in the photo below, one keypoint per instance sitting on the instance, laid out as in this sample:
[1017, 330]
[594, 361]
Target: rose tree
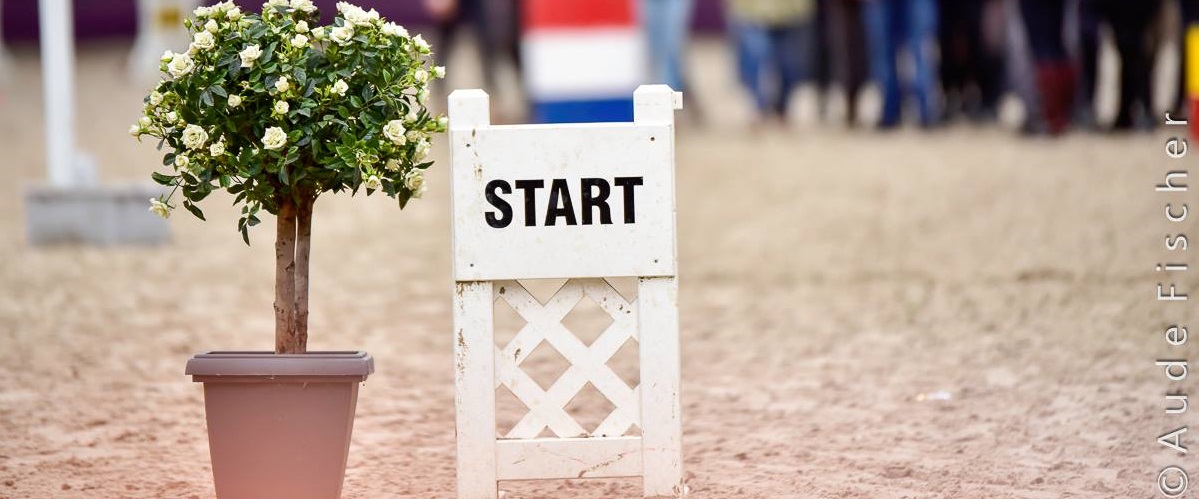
[277, 110]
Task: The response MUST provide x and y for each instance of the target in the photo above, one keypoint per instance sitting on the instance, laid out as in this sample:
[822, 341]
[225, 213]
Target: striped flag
[582, 59]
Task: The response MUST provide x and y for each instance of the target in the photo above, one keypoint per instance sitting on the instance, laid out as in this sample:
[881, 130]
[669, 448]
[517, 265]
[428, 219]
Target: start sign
[580, 200]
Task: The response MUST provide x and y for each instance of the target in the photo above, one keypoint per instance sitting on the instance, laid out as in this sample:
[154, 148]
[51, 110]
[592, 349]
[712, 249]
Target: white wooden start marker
[582, 202]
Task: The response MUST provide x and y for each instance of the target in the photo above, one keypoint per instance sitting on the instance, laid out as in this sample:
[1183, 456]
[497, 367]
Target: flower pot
[279, 425]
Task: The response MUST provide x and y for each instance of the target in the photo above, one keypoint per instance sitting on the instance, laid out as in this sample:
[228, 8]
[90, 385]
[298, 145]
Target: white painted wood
[656, 104]
[474, 398]
[546, 458]
[488, 260]
[661, 411]
[58, 87]
[481, 154]
[588, 363]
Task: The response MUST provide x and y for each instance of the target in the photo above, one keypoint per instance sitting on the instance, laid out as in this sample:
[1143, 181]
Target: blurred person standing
[844, 42]
[1188, 11]
[971, 68]
[773, 40]
[496, 30]
[666, 24]
[893, 25]
[1131, 23]
[1054, 71]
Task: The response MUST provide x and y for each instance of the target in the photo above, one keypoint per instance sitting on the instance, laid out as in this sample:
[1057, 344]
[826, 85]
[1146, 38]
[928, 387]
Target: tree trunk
[285, 281]
[303, 246]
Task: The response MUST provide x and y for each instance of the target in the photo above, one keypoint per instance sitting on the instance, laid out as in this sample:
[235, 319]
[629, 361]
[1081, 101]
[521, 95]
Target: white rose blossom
[234, 100]
[233, 14]
[372, 182]
[421, 45]
[203, 11]
[194, 137]
[422, 148]
[340, 87]
[217, 149]
[392, 165]
[393, 29]
[172, 117]
[318, 32]
[299, 41]
[145, 121]
[203, 40]
[443, 121]
[211, 26]
[281, 85]
[421, 75]
[167, 56]
[414, 180]
[303, 5]
[274, 139]
[159, 208]
[439, 72]
[135, 130]
[181, 161]
[342, 34]
[181, 64]
[394, 130]
[282, 107]
[302, 27]
[250, 55]
[155, 98]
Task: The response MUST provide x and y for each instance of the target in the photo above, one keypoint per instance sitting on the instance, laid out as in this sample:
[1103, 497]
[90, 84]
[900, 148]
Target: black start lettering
[592, 193]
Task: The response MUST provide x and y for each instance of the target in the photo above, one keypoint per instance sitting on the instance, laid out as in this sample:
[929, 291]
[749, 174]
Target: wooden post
[474, 394]
[474, 345]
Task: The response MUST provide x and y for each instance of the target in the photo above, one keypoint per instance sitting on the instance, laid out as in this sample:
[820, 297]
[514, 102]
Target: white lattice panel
[587, 364]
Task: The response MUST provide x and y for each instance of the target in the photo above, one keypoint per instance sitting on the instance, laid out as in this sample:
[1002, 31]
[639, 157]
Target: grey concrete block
[93, 215]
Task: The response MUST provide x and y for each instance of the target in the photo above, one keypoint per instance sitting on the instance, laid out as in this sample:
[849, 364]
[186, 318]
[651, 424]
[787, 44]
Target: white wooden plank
[549, 458]
[474, 394]
[661, 429]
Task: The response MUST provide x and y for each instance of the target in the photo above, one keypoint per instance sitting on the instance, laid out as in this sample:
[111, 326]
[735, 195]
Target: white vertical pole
[474, 391]
[474, 342]
[661, 409]
[58, 84]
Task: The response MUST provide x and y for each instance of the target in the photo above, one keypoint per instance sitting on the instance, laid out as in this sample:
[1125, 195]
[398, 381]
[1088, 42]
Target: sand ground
[828, 279]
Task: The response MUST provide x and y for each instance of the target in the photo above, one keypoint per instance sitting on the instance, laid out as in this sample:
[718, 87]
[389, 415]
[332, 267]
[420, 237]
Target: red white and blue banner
[582, 59]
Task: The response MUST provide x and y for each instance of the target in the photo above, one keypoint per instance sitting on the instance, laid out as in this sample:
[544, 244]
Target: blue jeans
[772, 61]
[891, 25]
[666, 23]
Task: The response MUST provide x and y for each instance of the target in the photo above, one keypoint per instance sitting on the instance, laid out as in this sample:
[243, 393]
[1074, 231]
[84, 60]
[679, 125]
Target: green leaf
[168, 159]
[219, 91]
[195, 211]
[163, 179]
[225, 181]
[283, 176]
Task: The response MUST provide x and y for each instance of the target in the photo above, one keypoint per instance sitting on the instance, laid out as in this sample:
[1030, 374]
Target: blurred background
[916, 242]
[1041, 67]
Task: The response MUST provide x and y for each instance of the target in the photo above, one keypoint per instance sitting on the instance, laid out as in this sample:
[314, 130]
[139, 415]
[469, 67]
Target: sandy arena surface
[828, 279]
